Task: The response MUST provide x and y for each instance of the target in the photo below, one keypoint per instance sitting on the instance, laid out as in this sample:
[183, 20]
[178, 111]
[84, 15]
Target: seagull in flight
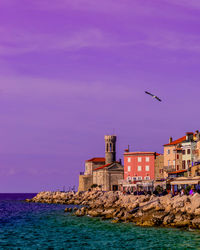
[153, 96]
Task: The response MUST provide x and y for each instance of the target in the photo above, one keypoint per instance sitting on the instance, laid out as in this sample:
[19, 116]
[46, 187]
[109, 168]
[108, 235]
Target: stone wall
[85, 182]
[159, 164]
[195, 171]
[106, 179]
[90, 166]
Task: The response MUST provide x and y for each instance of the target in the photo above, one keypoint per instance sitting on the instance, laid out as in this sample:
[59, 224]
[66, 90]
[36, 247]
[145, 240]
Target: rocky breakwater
[142, 210]
[53, 197]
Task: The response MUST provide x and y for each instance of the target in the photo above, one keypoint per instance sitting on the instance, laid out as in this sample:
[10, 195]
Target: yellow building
[172, 154]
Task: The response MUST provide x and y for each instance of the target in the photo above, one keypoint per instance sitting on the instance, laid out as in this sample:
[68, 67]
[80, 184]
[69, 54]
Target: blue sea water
[47, 226]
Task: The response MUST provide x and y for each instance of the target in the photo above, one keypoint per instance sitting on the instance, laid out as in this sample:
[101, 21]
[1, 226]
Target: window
[177, 167]
[161, 171]
[139, 178]
[134, 178]
[129, 168]
[139, 159]
[139, 168]
[147, 177]
[147, 159]
[183, 152]
[128, 178]
[188, 151]
[177, 157]
[168, 151]
[183, 164]
[147, 168]
[188, 163]
[129, 159]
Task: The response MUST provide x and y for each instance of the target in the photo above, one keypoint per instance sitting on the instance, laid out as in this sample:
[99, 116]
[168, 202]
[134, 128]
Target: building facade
[86, 177]
[197, 148]
[139, 166]
[93, 163]
[188, 150]
[173, 154]
[160, 174]
[107, 177]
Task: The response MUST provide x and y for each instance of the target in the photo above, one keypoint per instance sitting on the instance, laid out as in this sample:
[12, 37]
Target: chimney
[189, 136]
[127, 149]
[170, 139]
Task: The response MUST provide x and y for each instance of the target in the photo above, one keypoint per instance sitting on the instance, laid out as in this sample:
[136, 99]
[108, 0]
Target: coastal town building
[172, 154]
[107, 176]
[197, 149]
[139, 170]
[182, 153]
[188, 148]
[160, 174]
[103, 172]
[93, 163]
[139, 166]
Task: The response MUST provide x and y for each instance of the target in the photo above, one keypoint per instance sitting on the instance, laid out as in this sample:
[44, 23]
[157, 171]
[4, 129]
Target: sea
[46, 226]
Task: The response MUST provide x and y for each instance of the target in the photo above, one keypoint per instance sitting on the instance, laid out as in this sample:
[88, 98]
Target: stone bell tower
[110, 148]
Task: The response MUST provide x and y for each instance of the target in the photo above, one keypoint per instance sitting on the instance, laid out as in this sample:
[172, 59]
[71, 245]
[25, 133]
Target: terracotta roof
[177, 172]
[104, 166]
[96, 159]
[141, 153]
[176, 141]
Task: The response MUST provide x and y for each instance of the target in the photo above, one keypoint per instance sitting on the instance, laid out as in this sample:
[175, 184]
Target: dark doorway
[115, 187]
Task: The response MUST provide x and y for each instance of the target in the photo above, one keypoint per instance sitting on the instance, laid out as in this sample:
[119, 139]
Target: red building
[139, 166]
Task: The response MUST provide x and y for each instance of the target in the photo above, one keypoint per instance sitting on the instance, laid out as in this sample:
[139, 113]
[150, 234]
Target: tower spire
[110, 148]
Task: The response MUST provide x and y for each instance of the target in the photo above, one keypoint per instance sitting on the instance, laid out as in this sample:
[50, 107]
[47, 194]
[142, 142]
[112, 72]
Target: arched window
[107, 147]
[110, 147]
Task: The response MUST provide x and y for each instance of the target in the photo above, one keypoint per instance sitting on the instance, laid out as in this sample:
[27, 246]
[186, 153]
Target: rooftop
[141, 153]
[176, 141]
[104, 166]
[96, 159]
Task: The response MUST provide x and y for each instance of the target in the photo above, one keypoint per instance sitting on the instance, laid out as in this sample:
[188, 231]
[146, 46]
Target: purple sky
[72, 71]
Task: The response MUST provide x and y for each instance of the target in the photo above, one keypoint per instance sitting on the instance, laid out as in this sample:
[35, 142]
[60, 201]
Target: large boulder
[168, 219]
[195, 201]
[196, 222]
[181, 220]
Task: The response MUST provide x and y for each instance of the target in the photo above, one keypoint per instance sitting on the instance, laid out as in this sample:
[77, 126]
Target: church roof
[107, 165]
[104, 166]
[96, 159]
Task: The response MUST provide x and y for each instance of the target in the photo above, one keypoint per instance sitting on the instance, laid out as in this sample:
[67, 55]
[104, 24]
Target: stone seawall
[149, 210]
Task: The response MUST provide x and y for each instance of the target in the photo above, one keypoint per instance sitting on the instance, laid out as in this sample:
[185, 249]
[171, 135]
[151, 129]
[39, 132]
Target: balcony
[169, 168]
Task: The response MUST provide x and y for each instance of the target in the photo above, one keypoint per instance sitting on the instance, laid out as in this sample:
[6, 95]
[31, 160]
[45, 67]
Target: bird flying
[153, 96]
